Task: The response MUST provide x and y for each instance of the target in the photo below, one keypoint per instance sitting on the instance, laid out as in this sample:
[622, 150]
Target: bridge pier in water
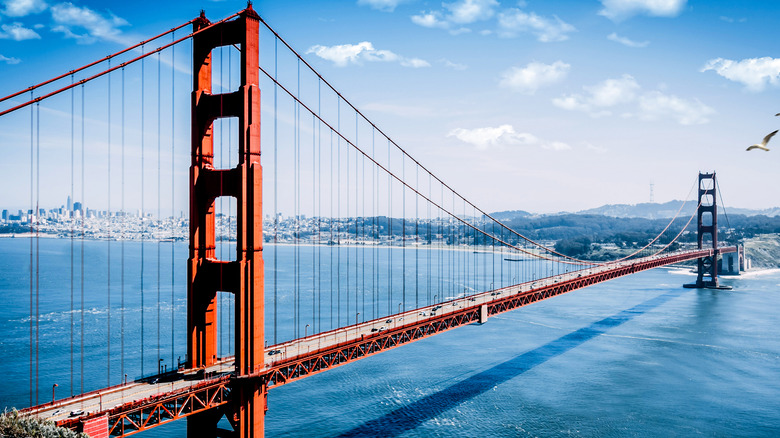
[207, 275]
[707, 225]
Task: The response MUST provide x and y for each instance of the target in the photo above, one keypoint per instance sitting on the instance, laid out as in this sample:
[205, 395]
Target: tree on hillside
[574, 247]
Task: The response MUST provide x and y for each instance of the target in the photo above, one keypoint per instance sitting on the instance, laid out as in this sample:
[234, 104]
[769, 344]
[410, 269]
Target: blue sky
[536, 105]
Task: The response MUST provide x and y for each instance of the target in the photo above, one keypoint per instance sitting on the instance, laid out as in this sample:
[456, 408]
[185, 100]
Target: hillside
[763, 250]
[668, 210]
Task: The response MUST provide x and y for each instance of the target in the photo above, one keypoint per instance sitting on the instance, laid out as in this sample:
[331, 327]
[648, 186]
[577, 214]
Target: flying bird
[762, 146]
[778, 114]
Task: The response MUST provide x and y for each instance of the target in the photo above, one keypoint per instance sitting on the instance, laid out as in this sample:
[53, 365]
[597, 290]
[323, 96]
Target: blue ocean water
[637, 356]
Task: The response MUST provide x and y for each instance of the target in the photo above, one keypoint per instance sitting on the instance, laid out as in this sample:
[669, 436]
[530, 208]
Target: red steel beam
[141, 415]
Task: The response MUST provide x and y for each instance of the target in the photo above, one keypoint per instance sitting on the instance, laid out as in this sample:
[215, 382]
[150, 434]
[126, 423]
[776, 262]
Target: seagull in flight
[763, 143]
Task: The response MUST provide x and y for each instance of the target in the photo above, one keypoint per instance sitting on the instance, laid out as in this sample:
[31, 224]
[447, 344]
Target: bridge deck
[140, 405]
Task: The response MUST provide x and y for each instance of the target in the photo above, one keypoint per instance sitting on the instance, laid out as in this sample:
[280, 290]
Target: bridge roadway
[140, 405]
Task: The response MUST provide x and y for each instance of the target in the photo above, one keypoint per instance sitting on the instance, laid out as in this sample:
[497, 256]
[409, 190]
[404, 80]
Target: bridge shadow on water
[409, 417]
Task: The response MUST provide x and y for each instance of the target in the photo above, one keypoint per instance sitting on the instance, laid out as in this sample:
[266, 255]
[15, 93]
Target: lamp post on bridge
[306, 330]
[52, 392]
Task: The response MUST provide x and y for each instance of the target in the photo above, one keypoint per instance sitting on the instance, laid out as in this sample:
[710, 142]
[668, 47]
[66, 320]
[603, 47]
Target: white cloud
[627, 42]
[596, 98]
[618, 10]
[534, 75]
[613, 91]
[510, 22]
[71, 18]
[460, 30]
[600, 99]
[455, 66]
[484, 138]
[415, 63]
[732, 20]
[21, 8]
[514, 21]
[754, 73]
[8, 60]
[17, 32]
[344, 54]
[555, 146]
[381, 5]
[430, 19]
[502, 136]
[460, 12]
[469, 11]
[655, 105]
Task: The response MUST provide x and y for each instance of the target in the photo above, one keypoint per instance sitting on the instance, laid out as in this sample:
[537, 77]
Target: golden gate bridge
[376, 251]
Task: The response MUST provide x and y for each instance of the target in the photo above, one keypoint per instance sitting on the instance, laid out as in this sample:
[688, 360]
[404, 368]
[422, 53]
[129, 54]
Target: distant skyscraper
[77, 206]
[70, 204]
[652, 198]
[5, 215]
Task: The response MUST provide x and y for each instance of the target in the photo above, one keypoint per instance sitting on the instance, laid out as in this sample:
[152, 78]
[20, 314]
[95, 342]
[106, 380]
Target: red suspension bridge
[332, 245]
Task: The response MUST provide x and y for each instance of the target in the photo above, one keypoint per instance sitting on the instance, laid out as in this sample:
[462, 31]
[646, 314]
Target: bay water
[636, 356]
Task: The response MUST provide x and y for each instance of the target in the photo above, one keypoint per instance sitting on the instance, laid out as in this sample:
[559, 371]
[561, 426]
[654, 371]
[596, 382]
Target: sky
[543, 106]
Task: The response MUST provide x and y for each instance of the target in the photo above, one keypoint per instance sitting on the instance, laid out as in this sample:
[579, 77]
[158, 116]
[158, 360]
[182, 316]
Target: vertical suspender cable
[319, 207]
[346, 228]
[32, 261]
[297, 199]
[338, 214]
[417, 240]
[440, 246]
[390, 235]
[403, 232]
[363, 229]
[108, 221]
[143, 212]
[355, 217]
[358, 224]
[493, 257]
[122, 257]
[276, 186]
[373, 227]
[83, 234]
[314, 214]
[173, 192]
[430, 243]
[330, 223]
[159, 210]
[71, 221]
[36, 214]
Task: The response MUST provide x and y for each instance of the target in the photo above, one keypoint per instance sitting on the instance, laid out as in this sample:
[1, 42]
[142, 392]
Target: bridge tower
[707, 276]
[206, 274]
